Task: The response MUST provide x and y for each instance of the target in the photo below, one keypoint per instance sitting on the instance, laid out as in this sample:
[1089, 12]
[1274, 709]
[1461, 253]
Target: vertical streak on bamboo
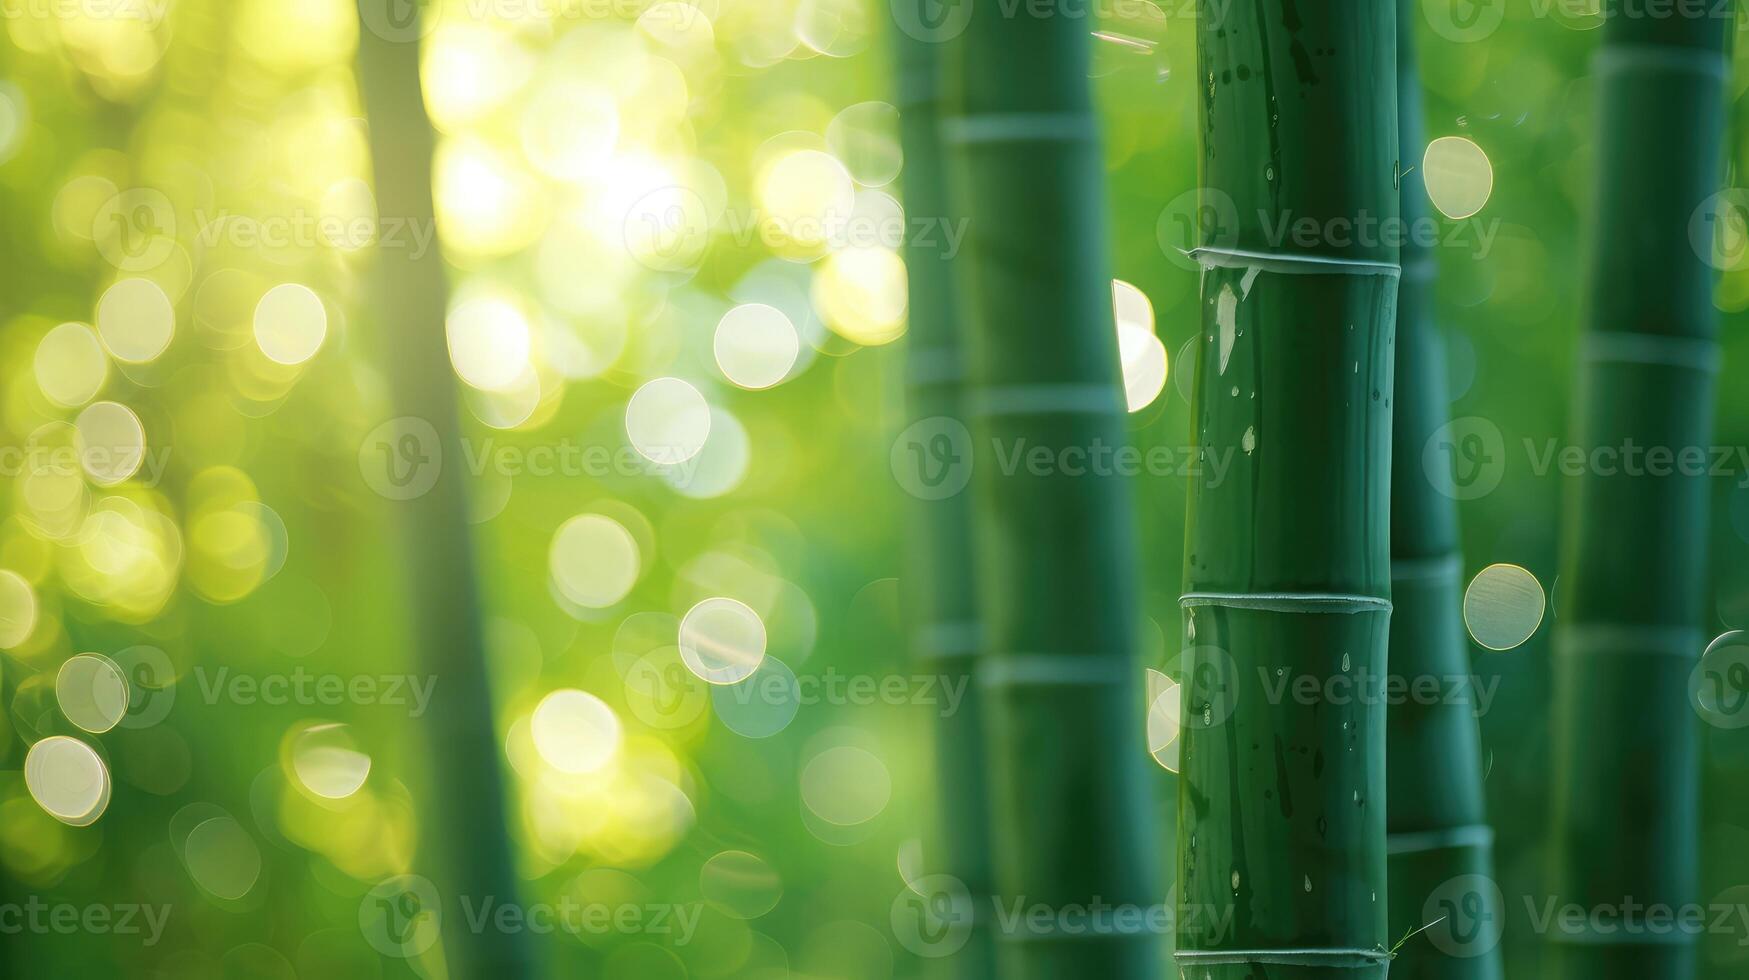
[945, 634]
[1287, 570]
[1625, 806]
[1057, 560]
[1440, 845]
[467, 810]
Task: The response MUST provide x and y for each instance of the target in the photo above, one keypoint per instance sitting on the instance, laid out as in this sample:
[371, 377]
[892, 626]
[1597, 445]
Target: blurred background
[676, 325]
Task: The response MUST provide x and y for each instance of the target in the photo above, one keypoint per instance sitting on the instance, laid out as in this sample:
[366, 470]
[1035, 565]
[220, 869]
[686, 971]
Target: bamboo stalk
[1056, 554]
[946, 636]
[1287, 572]
[1436, 815]
[1625, 813]
[466, 807]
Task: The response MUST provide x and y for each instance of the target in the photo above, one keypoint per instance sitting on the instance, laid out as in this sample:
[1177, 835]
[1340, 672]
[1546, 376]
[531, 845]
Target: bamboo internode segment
[1625, 808]
[1057, 553]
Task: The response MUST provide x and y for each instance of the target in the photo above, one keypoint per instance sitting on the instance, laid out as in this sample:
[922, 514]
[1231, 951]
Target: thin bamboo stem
[1625, 798]
[1057, 561]
[1441, 845]
[467, 808]
[946, 634]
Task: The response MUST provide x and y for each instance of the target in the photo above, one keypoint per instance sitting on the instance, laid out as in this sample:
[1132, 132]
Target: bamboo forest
[874, 489]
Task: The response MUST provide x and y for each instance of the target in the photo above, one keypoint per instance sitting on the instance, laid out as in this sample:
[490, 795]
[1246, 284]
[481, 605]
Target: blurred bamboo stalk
[1625, 773]
[1441, 845]
[945, 633]
[1057, 573]
[466, 804]
[1287, 571]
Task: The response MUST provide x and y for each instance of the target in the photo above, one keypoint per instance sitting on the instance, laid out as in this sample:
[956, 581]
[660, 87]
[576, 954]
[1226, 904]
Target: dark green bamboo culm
[1287, 569]
[1633, 584]
[944, 631]
[1441, 846]
[466, 807]
[1055, 544]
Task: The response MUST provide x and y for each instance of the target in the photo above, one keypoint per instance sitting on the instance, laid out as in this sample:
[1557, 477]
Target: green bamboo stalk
[1440, 844]
[1625, 799]
[945, 634]
[1056, 555]
[466, 806]
[1287, 571]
